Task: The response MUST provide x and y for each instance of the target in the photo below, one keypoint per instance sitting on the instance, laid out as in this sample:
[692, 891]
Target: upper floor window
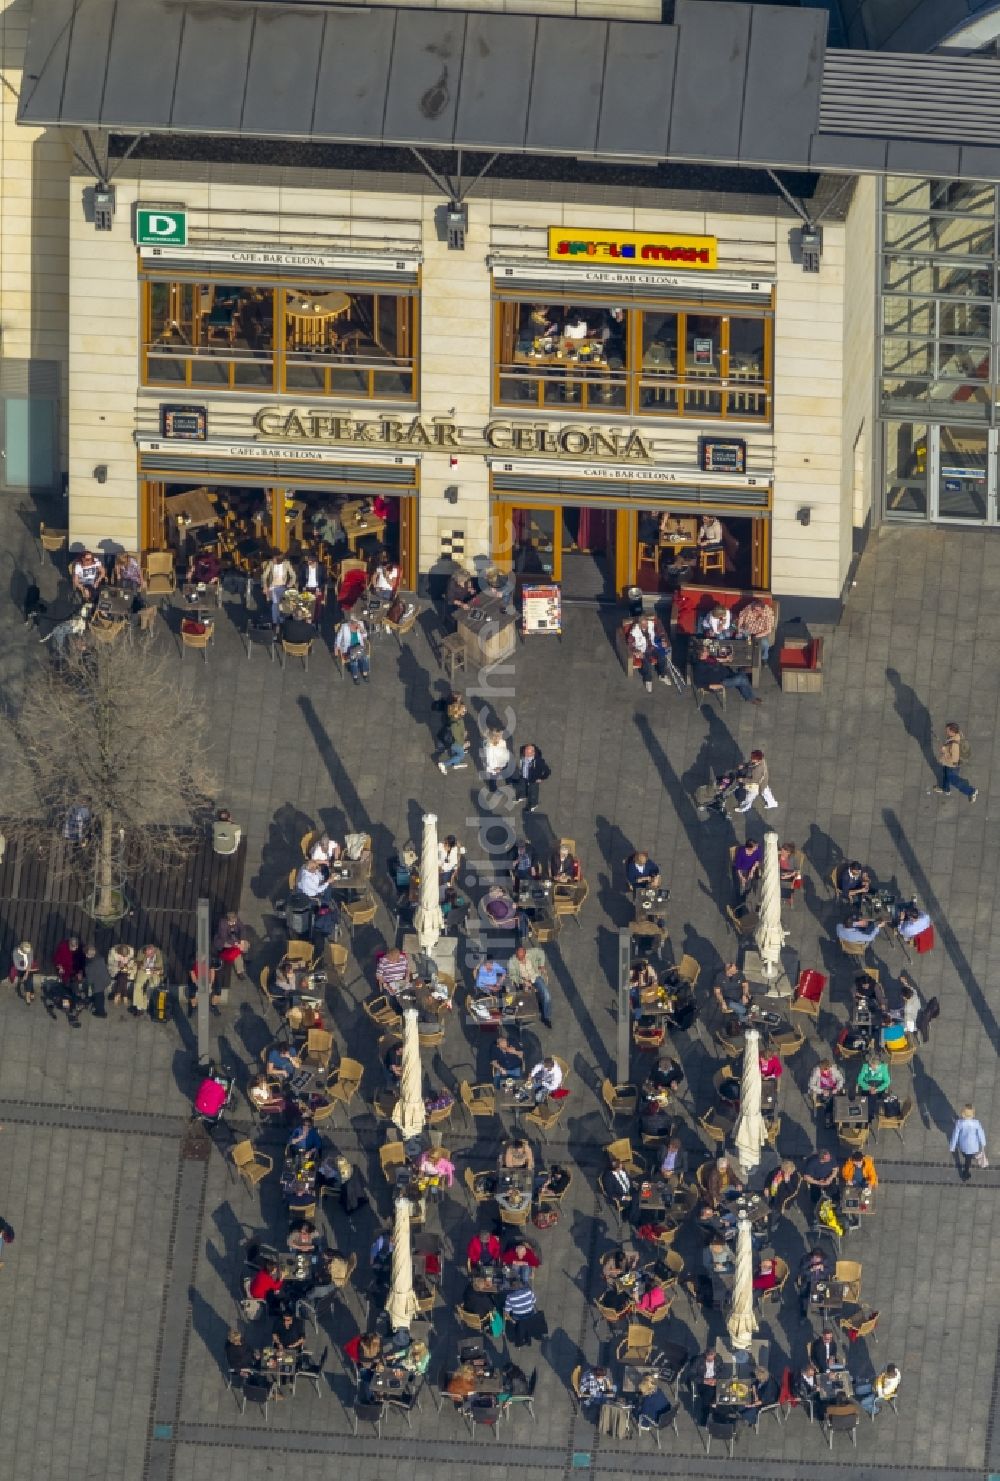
[319, 339]
[670, 359]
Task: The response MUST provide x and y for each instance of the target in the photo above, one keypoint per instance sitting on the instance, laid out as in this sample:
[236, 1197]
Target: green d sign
[160, 228]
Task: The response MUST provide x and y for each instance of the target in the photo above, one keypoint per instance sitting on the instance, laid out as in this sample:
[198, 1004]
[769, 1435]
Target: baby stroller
[213, 1098]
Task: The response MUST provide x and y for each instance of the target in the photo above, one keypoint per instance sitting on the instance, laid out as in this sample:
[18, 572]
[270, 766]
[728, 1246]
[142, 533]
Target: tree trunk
[106, 905]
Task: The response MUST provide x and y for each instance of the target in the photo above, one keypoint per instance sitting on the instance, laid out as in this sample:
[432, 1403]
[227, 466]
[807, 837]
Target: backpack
[964, 749]
[159, 1004]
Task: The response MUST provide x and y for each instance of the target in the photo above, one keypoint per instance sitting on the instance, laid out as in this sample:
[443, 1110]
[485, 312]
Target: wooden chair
[636, 1346]
[621, 1151]
[441, 1115]
[516, 1218]
[296, 650]
[274, 999]
[716, 1134]
[400, 629]
[337, 957]
[857, 950]
[451, 654]
[648, 1038]
[381, 1012]
[472, 1320]
[478, 1101]
[252, 1166]
[786, 1041]
[773, 1131]
[319, 1049]
[480, 1186]
[302, 953]
[342, 1090]
[613, 1314]
[391, 1157]
[360, 911]
[107, 630]
[865, 1328]
[853, 1138]
[54, 541]
[161, 577]
[897, 1124]
[712, 562]
[307, 840]
[546, 1116]
[688, 970]
[197, 640]
[619, 1100]
[572, 902]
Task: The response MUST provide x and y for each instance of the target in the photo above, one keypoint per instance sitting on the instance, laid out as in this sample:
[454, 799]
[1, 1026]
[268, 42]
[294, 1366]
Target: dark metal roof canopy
[727, 83]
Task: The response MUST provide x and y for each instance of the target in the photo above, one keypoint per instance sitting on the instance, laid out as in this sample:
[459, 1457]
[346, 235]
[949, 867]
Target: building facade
[311, 344]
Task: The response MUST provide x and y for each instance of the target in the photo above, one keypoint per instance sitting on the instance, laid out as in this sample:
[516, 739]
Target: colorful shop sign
[650, 248]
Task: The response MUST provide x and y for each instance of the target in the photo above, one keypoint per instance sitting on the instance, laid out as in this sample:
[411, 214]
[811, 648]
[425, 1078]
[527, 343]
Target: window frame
[688, 392]
[280, 358]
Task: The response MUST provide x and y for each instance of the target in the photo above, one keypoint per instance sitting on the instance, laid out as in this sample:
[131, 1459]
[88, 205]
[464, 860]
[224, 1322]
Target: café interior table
[357, 529]
[310, 314]
[192, 509]
[487, 630]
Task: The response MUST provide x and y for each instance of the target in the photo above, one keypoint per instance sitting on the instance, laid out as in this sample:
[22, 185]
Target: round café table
[310, 314]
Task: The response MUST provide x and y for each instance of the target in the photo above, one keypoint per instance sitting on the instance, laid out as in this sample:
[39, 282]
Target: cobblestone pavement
[117, 1292]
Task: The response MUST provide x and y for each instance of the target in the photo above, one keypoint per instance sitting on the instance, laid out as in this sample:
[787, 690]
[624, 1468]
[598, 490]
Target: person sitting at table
[524, 1320]
[819, 1174]
[507, 1062]
[721, 1180]
[148, 979]
[545, 1078]
[564, 867]
[771, 1066]
[267, 1096]
[483, 1250]
[869, 995]
[857, 930]
[411, 1361]
[764, 1391]
[705, 1375]
[265, 1285]
[716, 674]
[384, 579]
[369, 1359]
[435, 1163]
[647, 641]
[302, 1237]
[330, 1270]
[490, 975]
[477, 1303]
[673, 1162]
[729, 1092]
[911, 922]
[241, 1359]
[826, 1081]
[519, 1258]
[805, 1388]
[461, 592]
[853, 881]
[620, 1190]
[88, 576]
[325, 850]
[825, 1353]
[873, 1395]
[641, 871]
[128, 573]
[790, 864]
[783, 1184]
[732, 992]
[524, 864]
[69, 959]
[312, 580]
[873, 1081]
[392, 972]
[351, 645]
[767, 1276]
[662, 1081]
[282, 1062]
[756, 620]
[575, 326]
[313, 881]
[203, 568]
[596, 1383]
[717, 622]
[747, 861]
[619, 1264]
[641, 975]
[718, 1258]
[516, 1154]
[650, 1402]
[815, 1268]
[305, 1138]
[297, 630]
[709, 532]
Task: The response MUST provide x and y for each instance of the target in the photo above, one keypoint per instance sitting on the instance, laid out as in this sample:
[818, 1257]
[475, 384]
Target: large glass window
[661, 360]
[329, 341]
[905, 468]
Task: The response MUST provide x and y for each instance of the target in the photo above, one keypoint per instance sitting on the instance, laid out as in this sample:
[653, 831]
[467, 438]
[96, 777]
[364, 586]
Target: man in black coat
[531, 770]
[824, 1353]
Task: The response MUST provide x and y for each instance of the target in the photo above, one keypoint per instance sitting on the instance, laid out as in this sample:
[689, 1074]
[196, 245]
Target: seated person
[767, 1276]
[805, 1388]
[148, 979]
[872, 1396]
[747, 861]
[783, 1184]
[857, 930]
[756, 620]
[642, 974]
[771, 1067]
[539, 323]
[302, 1237]
[729, 1091]
[305, 1138]
[265, 1284]
[325, 850]
[815, 1267]
[641, 871]
[868, 991]
[296, 630]
[313, 881]
[912, 921]
[825, 1353]
[718, 1258]
[732, 992]
[524, 863]
[619, 1264]
[462, 591]
[650, 1402]
[203, 568]
[128, 572]
[241, 1359]
[620, 1190]
[483, 1250]
[764, 1391]
[717, 622]
[709, 532]
[281, 1062]
[597, 1383]
[435, 1163]
[575, 327]
[370, 1355]
[564, 867]
[517, 1154]
[267, 1095]
[545, 1078]
[662, 1081]
[520, 1258]
[790, 864]
[715, 674]
[490, 975]
[507, 1062]
[722, 1180]
[673, 1161]
[88, 576]
[384, 580]
[647, 640]
[826, 1081]
[477, 1303]
[853, 881]
[69, 959]
[859, 1172]
[873, 1081]
[392, 973]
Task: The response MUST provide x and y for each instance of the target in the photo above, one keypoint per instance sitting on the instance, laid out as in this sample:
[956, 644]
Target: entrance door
[537, 539]
[963, 473]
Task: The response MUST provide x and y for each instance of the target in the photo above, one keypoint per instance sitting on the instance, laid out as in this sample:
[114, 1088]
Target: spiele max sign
[650, 248]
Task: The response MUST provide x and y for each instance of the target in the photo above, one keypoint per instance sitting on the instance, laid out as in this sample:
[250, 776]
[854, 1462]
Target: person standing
[278, 575]
[648, 642]
[953, 752]
[757, 783]
[968, 1142]
[532, 769]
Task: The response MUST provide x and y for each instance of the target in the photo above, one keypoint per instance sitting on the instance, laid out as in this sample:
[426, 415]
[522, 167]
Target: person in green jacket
[873, 1081]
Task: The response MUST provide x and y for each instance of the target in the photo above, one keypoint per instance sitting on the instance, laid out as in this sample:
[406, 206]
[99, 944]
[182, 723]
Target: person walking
[532, 769]
[757, 783]
[953, 752]
[968, 1143]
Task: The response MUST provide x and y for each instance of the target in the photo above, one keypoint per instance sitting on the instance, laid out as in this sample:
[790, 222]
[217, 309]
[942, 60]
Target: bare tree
[109, 728]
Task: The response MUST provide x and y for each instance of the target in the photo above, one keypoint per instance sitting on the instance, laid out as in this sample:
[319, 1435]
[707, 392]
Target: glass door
[537, 543]
[964, 474]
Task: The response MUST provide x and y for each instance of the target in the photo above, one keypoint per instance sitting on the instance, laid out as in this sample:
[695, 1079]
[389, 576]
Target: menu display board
[722, 454]
[541, 609]
[184, 423]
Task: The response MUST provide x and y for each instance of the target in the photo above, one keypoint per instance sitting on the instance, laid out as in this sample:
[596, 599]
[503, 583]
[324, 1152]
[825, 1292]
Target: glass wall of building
[939, 350]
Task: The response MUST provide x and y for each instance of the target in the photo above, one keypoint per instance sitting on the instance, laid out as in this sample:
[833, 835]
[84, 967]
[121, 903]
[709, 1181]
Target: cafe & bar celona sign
[415, 434]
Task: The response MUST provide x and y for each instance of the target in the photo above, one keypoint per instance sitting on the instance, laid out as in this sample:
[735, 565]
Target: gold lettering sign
[624, 444]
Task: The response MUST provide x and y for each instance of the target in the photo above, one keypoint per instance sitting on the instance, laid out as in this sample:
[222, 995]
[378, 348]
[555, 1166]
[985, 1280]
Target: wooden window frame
[407, 333]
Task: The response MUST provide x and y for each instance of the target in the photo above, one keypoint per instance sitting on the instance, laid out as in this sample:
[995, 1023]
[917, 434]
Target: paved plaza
[116, 1295]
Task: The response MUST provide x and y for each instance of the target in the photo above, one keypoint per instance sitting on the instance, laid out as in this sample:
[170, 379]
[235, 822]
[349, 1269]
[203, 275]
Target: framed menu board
[722, 454]
[541, 610]
[184, 423]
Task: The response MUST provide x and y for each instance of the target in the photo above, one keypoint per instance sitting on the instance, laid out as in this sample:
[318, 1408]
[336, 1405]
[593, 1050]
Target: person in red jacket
[483, 1249]
[69, 959]
[265, 1284]
[520, 1256]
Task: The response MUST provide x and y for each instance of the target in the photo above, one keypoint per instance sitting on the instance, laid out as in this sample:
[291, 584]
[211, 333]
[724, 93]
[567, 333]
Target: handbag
[981, 1159]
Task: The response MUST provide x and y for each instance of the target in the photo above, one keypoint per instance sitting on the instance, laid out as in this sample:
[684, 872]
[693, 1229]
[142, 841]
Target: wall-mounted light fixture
[804, 515]
[101, 473]
[451, 493]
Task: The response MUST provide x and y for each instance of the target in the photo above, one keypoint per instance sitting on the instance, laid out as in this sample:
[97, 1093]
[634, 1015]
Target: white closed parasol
[401, 1306]
[751, 1133]
[427, 917]
[409, 1113]
[769, 936]
[741, 1322]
